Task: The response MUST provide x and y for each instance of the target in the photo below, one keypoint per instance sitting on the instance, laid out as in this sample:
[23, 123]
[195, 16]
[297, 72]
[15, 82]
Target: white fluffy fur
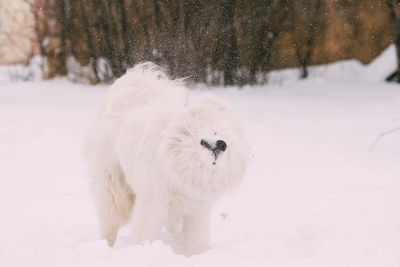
[146, 163]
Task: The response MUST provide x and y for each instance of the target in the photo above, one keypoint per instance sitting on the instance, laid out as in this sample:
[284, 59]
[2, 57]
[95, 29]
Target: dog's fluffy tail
[143, 84]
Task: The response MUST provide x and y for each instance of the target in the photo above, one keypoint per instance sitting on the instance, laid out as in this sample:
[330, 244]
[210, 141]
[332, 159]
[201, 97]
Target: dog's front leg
[147, 218]
[195, 230]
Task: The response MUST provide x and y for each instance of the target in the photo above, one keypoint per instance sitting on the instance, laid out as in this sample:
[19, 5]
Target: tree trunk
[310, 41]
[125, 35]
[55, 50]
[394, 6]
[231, 60]
[89, 39]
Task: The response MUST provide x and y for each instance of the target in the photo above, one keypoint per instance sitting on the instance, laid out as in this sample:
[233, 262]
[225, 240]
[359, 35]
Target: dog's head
[203, 149]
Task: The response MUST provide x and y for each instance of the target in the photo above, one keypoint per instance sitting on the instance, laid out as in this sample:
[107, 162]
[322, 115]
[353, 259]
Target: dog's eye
[215, 133]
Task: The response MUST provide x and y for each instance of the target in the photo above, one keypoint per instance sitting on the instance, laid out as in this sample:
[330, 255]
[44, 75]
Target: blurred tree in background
[217, 41]
[394, 7]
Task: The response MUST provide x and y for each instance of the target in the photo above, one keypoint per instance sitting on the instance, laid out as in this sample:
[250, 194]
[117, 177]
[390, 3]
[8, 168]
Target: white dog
[166, 163]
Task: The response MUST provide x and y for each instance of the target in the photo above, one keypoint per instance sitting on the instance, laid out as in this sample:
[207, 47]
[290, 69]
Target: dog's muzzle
[216, 148]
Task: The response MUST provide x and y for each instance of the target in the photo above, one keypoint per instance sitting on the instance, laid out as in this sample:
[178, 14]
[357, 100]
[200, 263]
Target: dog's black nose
[221, 145]
[205, 144]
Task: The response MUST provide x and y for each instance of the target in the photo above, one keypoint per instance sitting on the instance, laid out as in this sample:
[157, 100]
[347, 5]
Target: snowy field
[314, 193]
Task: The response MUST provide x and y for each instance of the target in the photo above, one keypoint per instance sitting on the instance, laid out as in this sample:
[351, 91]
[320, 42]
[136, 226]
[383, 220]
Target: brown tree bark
[55, 49]
[89, 38]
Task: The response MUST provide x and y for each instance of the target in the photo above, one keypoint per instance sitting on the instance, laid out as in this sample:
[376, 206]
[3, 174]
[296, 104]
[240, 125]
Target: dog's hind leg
[148, 217]
[114, 201]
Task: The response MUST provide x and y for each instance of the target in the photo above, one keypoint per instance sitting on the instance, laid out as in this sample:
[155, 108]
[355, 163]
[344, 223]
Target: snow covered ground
[314, 194]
